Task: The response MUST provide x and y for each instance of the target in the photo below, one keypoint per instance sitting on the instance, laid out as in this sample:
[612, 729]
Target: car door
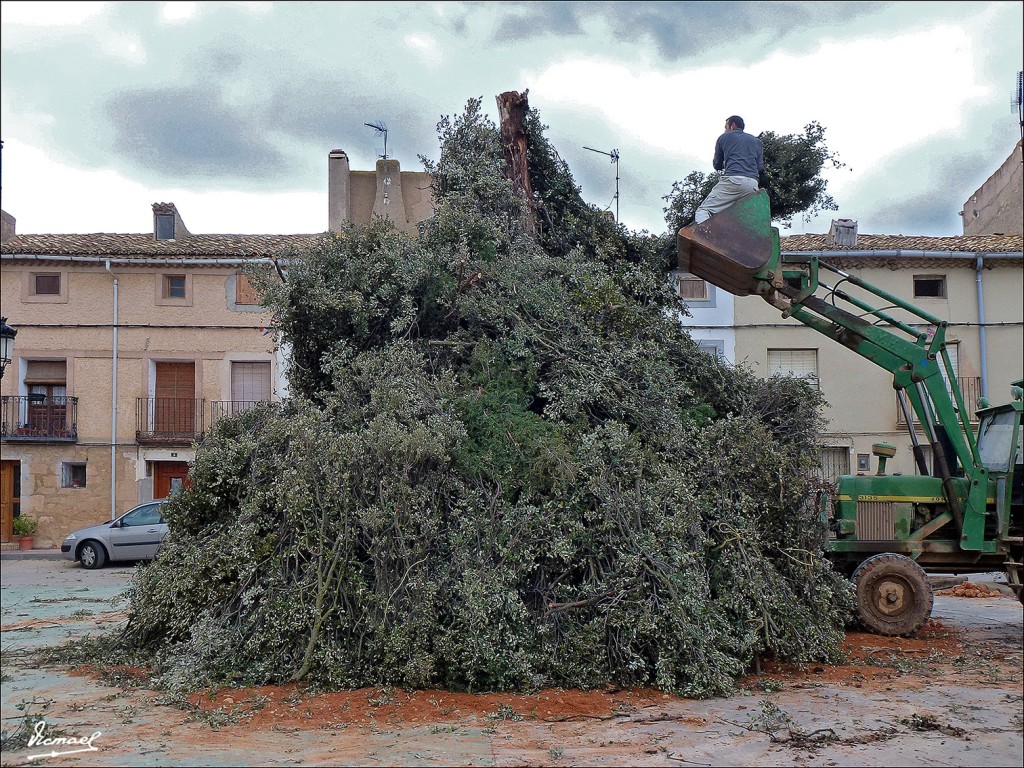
[137, 535]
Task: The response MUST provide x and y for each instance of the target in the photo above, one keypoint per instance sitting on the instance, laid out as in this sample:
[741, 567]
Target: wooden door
[174, 406]
[10, 497]
[168, 476]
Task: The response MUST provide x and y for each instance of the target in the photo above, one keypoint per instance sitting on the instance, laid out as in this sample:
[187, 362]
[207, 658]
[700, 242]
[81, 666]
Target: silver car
[135, 535]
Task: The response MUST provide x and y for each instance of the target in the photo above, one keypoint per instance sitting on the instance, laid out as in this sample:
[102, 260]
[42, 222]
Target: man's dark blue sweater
[739, 154]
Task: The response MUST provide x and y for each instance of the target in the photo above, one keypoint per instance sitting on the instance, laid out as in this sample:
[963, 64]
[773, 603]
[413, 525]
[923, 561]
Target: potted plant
[24, 528]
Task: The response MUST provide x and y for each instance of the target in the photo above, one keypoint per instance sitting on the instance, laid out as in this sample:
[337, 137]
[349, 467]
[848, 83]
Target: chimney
[8, 226]
[390, 202]
[843, 233]
[339, 190]
[167, 223]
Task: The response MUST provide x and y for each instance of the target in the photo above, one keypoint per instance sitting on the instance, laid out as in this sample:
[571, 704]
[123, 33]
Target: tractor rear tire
[894, 596]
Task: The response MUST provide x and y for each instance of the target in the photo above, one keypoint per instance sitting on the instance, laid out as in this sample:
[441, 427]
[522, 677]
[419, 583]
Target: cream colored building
[975, 283]
[129, 346]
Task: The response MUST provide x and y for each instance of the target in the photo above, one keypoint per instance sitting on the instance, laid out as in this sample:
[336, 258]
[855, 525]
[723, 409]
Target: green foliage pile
[503, 466]
[793, 166]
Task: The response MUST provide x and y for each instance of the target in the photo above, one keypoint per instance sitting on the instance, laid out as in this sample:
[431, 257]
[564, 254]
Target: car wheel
[92, 555]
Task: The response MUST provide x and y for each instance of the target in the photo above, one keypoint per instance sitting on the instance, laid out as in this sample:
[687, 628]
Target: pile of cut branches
[504, 465]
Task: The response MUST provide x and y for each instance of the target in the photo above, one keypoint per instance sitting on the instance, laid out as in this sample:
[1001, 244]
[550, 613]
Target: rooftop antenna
[1018, 103]
[381, 127]
[614, 155]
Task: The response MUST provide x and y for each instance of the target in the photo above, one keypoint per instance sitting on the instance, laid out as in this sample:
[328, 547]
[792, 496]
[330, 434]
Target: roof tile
[145, 245]
[957, 244]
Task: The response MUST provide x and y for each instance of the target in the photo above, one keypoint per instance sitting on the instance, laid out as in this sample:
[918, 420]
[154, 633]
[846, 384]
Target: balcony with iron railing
[220, 409]
[39, 418]
[169, 419]
[970, 388]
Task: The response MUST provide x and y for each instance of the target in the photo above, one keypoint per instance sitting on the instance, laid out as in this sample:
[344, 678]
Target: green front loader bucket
[736, 250]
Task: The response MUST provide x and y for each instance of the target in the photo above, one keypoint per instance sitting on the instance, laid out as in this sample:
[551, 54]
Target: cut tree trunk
[512, 109]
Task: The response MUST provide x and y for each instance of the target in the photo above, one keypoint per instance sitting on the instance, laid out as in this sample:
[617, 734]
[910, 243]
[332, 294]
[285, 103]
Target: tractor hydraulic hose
[939, 457]
[922, 465]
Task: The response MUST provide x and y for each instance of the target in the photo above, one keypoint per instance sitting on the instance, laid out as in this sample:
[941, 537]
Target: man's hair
[735, 120]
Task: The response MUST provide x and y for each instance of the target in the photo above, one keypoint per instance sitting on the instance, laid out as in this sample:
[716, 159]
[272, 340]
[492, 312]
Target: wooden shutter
[244, 292]
[175, 398]
[250, 382]
[691, 287]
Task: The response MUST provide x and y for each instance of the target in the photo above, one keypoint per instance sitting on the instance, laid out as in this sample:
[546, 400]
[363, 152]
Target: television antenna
[1018, 102]
[614, 155]
[381, 128]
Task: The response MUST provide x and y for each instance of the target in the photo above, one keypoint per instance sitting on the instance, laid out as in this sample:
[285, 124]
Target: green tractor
[888, 531]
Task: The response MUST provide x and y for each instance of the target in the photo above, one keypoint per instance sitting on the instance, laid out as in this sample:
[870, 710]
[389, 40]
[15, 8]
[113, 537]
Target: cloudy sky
[230, 109]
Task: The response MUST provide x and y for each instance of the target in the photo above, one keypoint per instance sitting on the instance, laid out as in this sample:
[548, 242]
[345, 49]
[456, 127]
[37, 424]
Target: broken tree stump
[512, 109]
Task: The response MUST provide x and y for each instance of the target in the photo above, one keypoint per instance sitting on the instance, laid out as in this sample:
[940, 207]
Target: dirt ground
[952, 695]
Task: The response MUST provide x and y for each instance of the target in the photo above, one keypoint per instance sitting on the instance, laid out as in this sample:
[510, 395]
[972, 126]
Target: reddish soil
[971, 590]
[871, 664]
[289, 705]
[870, 658]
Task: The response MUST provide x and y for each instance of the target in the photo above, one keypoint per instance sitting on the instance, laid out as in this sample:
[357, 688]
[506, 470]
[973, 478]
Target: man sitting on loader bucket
[740, 157]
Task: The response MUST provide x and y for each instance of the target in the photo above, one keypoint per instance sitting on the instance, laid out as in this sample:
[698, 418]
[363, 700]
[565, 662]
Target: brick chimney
[167, 223]
[339, 190]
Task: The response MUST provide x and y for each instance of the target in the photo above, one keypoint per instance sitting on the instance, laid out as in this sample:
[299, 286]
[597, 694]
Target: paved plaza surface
[952, 695]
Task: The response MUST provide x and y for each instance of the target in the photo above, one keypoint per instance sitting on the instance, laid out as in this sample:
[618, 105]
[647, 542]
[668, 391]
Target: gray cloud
[678, 29]
[911, 197]
[190, 133]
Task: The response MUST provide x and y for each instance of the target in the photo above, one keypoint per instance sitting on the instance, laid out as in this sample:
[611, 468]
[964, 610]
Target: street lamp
[7, 335]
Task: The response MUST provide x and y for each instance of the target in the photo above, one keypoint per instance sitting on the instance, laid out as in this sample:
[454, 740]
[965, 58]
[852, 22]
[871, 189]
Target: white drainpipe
[134, 262]
[981, 325]
[113, 410]
[979, 263]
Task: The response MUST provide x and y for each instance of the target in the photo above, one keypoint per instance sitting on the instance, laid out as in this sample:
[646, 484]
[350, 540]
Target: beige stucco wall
[205, 329]
[416, 199]
[862, 403]
[997, 206]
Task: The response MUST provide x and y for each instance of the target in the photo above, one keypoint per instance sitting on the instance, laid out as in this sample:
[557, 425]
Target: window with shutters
[250, 382]
[692, 288]
[45, 286]
[245, 294]
[800, 363]
[44, 411]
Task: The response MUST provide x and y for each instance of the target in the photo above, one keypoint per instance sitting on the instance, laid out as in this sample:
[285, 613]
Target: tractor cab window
[996, 443]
